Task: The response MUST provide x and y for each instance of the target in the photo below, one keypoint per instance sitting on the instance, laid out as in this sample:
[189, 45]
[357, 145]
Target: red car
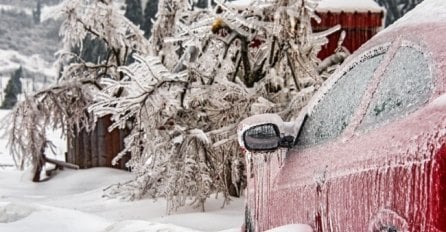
[369, 151]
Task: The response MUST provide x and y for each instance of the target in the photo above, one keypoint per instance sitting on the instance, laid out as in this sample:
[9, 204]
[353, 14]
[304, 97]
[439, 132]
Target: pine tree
[201, 4]
[13, 88]
[397, 8]
[149, 14]
[37, 12]
[134, 11]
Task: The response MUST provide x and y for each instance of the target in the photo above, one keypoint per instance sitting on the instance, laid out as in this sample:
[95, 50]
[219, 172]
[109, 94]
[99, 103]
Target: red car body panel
[393, 175]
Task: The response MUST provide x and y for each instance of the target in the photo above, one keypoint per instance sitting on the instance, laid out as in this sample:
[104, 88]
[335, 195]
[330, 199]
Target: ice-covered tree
[208, 69]
[397, 8]
[201, 73]
[37, 12]
[64, 105]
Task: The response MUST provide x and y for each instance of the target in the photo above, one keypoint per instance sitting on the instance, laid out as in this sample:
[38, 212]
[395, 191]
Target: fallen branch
[42, 160]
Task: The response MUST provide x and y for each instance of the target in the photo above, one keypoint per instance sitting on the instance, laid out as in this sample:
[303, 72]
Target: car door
[401, 122]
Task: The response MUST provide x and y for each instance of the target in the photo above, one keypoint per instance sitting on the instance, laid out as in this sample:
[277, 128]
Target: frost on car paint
[372, 152]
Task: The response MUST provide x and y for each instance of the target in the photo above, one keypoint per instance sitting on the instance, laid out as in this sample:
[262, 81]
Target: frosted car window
[333, 113]
[406, 84]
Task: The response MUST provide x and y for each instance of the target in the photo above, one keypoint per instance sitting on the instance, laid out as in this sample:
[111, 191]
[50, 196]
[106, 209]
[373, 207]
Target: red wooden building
[360, 19]
[97, 148]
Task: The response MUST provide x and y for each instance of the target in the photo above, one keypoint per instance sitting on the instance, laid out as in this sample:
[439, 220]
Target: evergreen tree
[37, 12]
[397, 8]
[149, 15]
[13, 88]
[201, 4]
[134, 11]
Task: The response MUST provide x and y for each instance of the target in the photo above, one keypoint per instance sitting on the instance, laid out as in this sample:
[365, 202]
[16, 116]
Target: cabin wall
[359, 28]
[97, 148]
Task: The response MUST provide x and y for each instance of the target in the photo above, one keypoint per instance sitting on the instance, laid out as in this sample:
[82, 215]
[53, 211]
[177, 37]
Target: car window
[407, 83]
[333, 113]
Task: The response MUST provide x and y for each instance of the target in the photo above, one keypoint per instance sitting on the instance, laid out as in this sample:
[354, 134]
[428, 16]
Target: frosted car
[369, 151]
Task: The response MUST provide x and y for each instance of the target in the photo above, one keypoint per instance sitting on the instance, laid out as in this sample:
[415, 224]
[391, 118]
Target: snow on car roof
[323, 5]
[427, 11]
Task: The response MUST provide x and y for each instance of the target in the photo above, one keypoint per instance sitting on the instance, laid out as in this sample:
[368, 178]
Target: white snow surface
[14, 8]
[51, 12]
[349, 6]
[73, 201]
[323, 5]
[48, 12]
[11, 60]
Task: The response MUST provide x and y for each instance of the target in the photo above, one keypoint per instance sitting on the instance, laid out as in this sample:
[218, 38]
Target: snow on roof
[323, 5]
[349, 6]
[426, 12]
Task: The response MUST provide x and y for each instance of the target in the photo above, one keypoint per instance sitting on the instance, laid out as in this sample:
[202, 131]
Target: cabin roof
[349, 6]
[323, 5]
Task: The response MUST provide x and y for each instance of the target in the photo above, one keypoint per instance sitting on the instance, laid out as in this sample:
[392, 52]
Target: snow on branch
[60, 106]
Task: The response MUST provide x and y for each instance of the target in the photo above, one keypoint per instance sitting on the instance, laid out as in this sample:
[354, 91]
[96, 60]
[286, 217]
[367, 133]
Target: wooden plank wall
[97, 148]
[359, 28]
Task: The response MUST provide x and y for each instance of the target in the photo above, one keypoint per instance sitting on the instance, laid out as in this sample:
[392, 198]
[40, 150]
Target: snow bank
[145, 226]
[15, 217]
[76, 196]
[14, 212]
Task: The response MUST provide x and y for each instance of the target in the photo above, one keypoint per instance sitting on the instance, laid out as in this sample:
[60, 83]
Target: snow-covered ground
[73, 201]
[11, 60]
[47, 11]
[14, 8]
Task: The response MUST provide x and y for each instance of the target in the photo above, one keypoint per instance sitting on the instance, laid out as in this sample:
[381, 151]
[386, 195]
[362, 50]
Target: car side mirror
[267, 132]
[264, 137]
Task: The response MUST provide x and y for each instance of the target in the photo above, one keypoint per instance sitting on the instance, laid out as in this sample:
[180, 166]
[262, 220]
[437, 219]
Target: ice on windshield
[406, 84]
[333, 113]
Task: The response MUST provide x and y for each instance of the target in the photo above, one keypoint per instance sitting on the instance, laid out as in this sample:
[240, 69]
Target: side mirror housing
[265, 132]
[263, 137]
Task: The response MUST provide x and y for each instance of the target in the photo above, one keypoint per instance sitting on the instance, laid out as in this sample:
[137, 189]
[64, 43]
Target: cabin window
[332, 114]
[406, 85]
